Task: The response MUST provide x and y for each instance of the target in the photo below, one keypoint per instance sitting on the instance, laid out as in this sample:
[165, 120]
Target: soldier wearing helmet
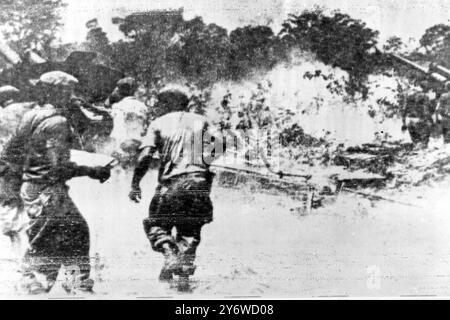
[182, 197]
[57, 232]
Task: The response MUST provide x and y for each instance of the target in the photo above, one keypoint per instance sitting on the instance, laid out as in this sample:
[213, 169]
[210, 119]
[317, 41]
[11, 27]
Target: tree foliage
[337, 40]
[149, 35]
[96, 38]
[200, 52]
[394, 45]
[436, 41]
[30, 24]
[253, 48]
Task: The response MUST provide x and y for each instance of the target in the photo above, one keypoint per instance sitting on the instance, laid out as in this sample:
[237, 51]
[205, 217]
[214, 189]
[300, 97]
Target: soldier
[129, 113]
[443, 112]
[11, 219]
[417, 118]
[130, 121]
[182, 197]
[57, 233]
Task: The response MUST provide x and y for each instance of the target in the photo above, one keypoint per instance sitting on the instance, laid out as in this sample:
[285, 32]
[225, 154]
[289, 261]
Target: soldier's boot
[171, 262]
[34, 284]
[79, 286]
[187, 267]
[187, 247]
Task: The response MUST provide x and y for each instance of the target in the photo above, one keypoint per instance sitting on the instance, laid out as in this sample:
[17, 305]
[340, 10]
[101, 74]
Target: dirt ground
[258, 247]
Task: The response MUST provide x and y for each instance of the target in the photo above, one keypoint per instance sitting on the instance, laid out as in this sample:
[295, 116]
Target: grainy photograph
[224, 149]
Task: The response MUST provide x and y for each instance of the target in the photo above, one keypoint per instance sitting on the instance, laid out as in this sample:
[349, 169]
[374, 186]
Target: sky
[407, 19]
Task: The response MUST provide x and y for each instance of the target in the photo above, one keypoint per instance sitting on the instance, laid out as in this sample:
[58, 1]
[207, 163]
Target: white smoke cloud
[317, 109]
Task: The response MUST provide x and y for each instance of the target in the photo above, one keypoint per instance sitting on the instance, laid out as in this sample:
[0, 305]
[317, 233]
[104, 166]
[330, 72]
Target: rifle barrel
[436, 72]
[411, 63]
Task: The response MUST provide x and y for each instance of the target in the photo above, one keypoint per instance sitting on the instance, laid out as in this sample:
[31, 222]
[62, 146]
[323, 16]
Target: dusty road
[257, 246]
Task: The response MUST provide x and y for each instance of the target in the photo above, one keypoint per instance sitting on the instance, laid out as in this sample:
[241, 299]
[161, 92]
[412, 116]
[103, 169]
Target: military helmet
[6, 90]
[57, 79]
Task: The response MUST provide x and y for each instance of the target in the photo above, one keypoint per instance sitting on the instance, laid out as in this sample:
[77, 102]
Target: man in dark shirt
[443, 112]
[57, 233]
[182, 196]
[417, 117]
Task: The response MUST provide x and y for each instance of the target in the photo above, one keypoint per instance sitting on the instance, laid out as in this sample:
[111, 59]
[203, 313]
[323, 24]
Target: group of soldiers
[37, 213]
[424, 116]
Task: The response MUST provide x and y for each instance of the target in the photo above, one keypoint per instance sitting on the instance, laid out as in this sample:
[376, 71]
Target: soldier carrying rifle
[56, 231]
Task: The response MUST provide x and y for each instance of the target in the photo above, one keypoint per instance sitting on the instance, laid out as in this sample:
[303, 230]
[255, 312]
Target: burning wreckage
[366, 170]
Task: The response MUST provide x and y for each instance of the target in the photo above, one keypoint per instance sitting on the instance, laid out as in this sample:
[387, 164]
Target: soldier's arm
[145, 159]
[141, 169]
[150, 145]
[58, 152]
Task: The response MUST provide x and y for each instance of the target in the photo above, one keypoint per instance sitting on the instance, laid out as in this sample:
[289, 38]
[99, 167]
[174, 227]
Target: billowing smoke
[314, 94]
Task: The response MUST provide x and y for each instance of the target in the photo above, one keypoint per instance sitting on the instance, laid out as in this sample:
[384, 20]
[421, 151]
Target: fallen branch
[279, 174]
[377, 197]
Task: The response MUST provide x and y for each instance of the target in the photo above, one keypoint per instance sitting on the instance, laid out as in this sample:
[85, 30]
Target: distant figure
[225, 121]
[417, 118]
[130, 121]
[443, 112]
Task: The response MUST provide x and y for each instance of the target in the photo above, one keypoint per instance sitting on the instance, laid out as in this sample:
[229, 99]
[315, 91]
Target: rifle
[377, 197]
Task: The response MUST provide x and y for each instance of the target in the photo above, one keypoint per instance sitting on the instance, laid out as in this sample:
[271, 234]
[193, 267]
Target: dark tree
[337, 40]
[200, 52]
[96, 38]
[436, 41]
[253, 48]
[394, 45]
[149, 37]
[435, 37]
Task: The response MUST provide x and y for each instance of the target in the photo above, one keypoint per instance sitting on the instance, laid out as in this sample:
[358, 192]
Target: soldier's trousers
[185, 241]
[12, 219]
[446, 130]
[183, 204]
[58, 236]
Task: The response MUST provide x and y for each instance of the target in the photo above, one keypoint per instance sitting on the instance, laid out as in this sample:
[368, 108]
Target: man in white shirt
[130, 119]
